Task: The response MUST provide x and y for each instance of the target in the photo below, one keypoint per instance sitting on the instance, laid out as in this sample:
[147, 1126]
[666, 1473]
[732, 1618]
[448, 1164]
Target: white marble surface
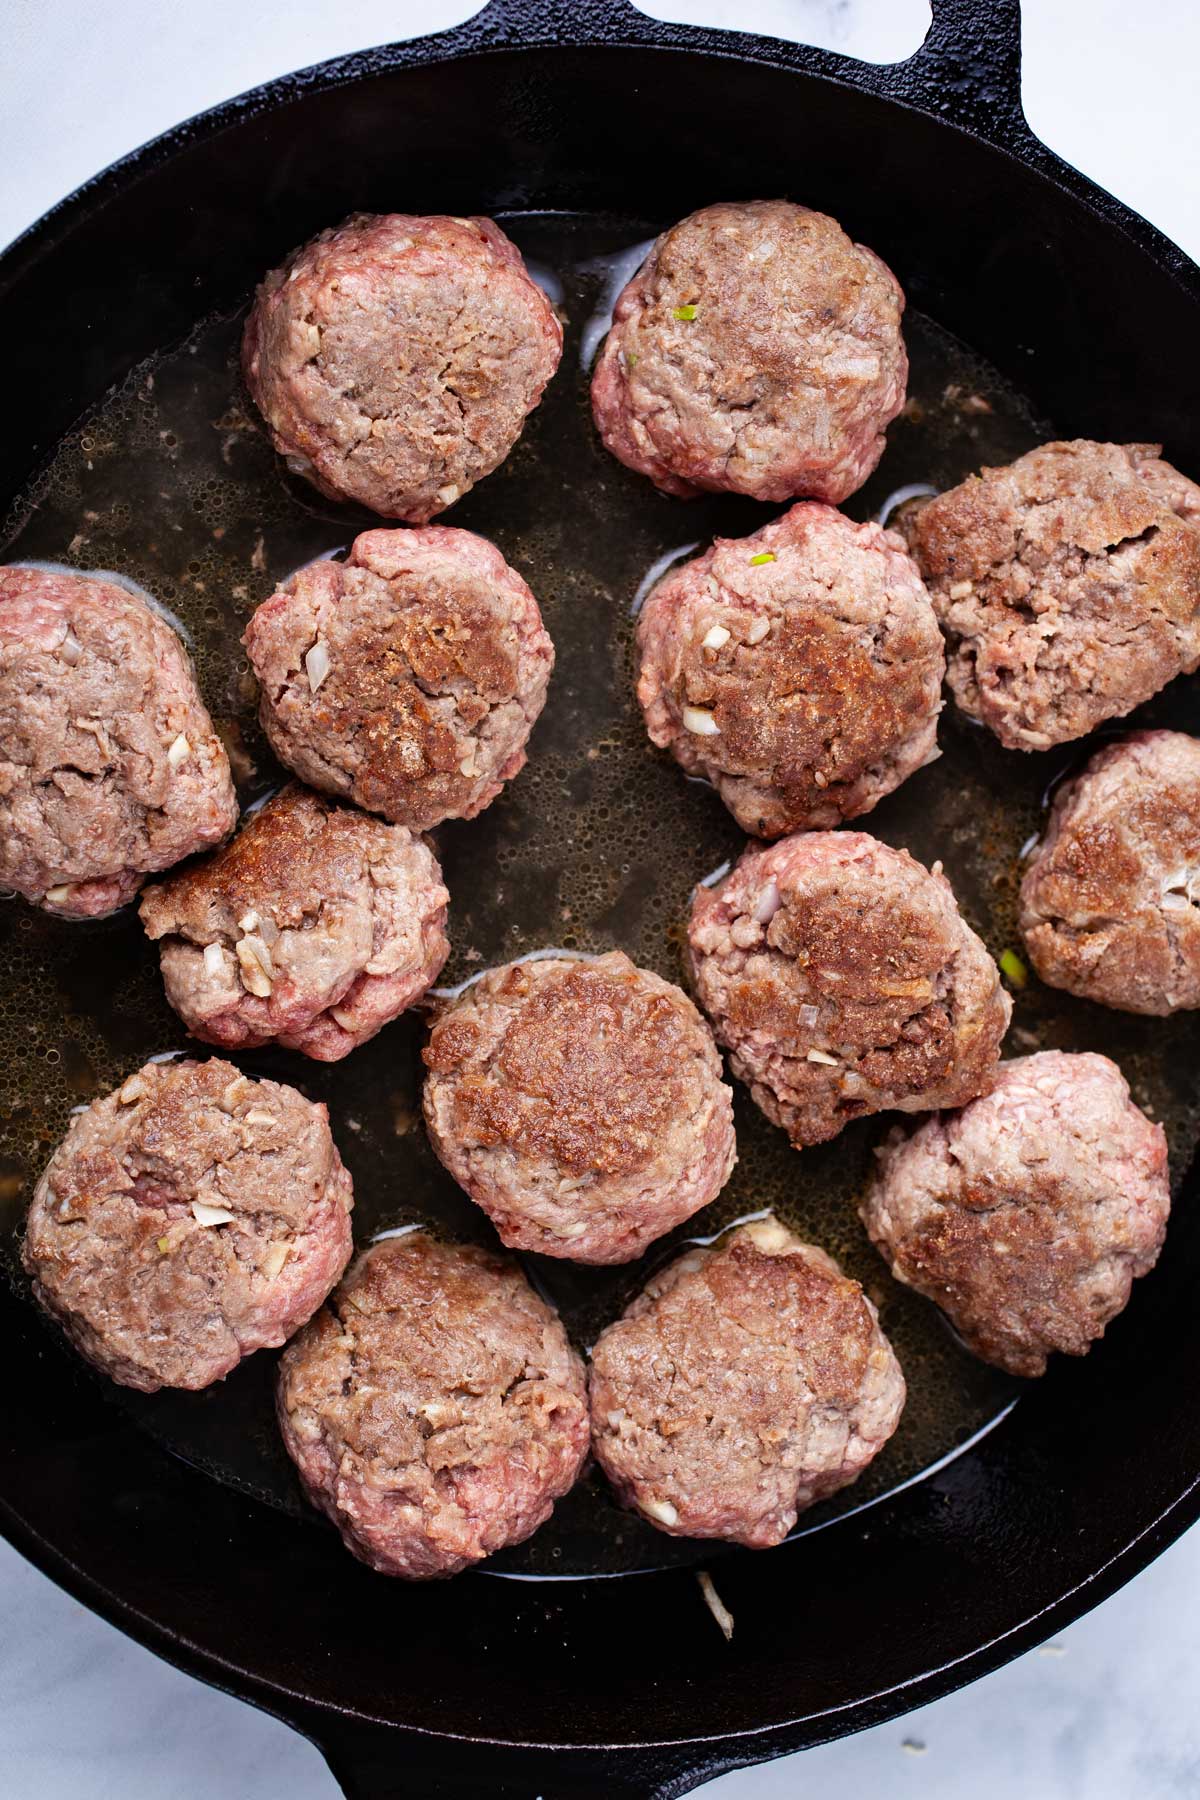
[1107, 1712]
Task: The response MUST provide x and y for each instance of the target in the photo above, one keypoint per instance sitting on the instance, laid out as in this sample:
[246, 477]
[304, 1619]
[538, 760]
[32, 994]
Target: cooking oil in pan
[172, 484]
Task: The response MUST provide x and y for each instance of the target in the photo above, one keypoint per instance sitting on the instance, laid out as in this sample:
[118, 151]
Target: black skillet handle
[968, 70]
[375, 1763]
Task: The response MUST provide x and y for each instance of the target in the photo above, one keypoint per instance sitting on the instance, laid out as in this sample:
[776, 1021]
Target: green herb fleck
[764, 556]
[686, 313]
[163, 1246]
[1013, 969]
[630, 359]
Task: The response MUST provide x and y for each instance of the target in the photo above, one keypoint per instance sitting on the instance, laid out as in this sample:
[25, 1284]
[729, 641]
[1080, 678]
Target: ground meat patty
[1068, 585]
[395, 359]
[756, 350]
[844, 981]
[580, 1103]
[745, 1383]
[109, 764]
[314, 927]
[406, 678]
[1026, 1216]
[799, 669]
[434, 1408]
[1110, 902]
[186, 1220]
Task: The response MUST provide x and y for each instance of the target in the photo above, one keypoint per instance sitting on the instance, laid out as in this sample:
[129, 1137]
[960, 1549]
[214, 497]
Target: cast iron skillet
[614, 1687]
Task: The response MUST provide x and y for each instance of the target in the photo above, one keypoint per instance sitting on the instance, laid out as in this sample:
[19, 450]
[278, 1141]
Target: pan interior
[171, 483]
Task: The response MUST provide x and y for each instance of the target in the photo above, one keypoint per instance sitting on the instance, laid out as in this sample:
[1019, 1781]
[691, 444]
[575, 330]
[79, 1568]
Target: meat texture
[1027, 1216]
[434, 1408]
[1068, 585]
[1110, 901]
[396, 358]
[799, 670]
[843, 980]
[313, 928]
[109, 765]
[745, 1383]
[407, 678]
[580, 1103]
[757, 350]
[186, 1220]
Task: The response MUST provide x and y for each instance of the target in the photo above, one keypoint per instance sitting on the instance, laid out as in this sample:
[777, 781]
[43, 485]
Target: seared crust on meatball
[1068, 585]
[746, 1382]
[396, 358]
[109, 765]
[799, 669]
[434, 1408]
[1110, 902]
[580, 1103]
[408, 677]
[843, 980]
[314, 927]
[757, 350]
[1026, 1216]
[186, 1220]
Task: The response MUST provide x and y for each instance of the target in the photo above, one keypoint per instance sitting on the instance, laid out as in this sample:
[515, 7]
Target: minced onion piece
[758, 631]
[769, 902]
[961, 590]
[214, 959]
[809, 1014]
[823, 1057]
[715, 638]
[274, 1260]
[134, 1089]
[58, 896]
[686, 313]
[764, 556]
[179, 752]
[70, 649]
[212, 1215]
[715, 1604]
[662, 1510]
[316, 665]
[701, 721]
[248, 921]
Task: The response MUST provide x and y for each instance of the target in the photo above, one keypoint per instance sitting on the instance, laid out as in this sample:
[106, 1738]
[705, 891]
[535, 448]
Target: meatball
[1068, 585]
[580, 1103]
[1110, 902]
[745, 1383]
[186, 1220]
[109, 764]
[799, 669]
[406, 678]
[843, 980]
[757, 350]
[1027, 1215]
[396, 358]
[314, 928]
[434, 1408]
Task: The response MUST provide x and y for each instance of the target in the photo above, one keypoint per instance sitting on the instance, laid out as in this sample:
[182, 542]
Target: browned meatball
[186, 1220]
[745, 1383]
[1068, 584]
[756, 350]
[408, 677]
[580, 1103]
[1027, 1215]
[1110, 902]
[843, 980]
[109, 765]
[314, 927]
[434, 1409]
[799, 669]
[396, 359]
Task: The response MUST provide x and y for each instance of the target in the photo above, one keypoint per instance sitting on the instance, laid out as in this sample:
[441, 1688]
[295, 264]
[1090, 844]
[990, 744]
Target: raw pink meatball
[757, 350]
[396, 358]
